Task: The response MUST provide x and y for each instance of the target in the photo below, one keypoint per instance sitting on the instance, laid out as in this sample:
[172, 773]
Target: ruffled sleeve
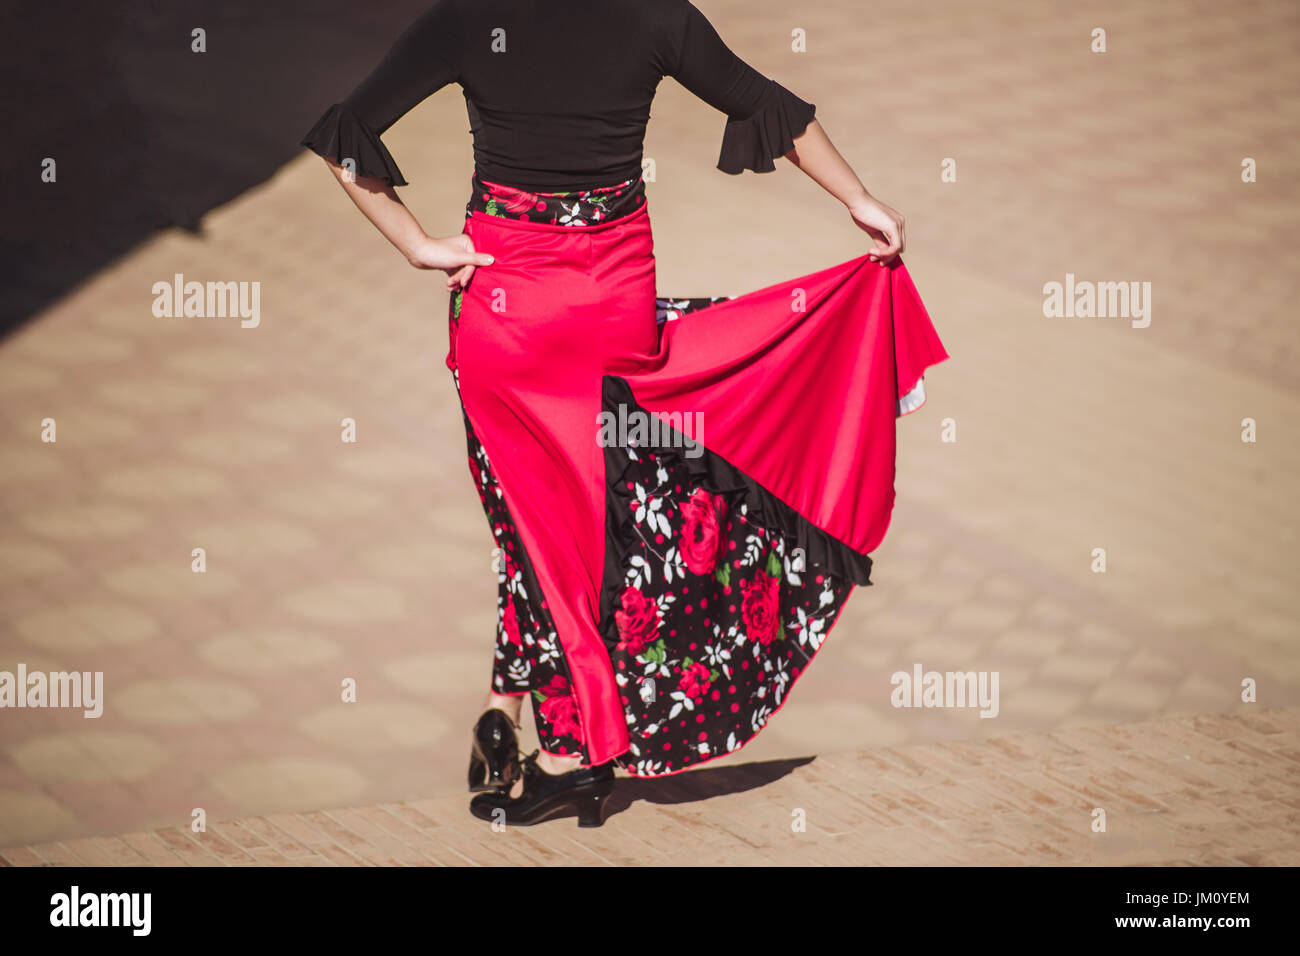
[753, 142]
[423, 59]
[341, 136]
[763, 117]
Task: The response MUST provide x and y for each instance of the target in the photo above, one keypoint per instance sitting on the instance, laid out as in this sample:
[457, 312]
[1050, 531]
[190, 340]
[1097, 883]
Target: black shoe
[494, 759]
[545, 795]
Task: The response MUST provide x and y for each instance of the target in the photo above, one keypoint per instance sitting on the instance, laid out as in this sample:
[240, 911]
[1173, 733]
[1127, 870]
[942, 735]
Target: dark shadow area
[148, 134]
[694, 785]
[691, 786]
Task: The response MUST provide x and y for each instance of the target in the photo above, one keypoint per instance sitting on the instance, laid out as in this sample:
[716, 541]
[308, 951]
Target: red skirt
[684, 491]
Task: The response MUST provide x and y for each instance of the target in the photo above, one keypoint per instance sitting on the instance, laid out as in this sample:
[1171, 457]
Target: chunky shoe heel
[494, 757]
[591, 807]
[478, 772]
[543, 796]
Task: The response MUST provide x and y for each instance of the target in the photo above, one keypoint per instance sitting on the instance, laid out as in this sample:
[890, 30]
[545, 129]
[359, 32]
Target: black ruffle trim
[753, 143]
[821, 550]
[340, 135]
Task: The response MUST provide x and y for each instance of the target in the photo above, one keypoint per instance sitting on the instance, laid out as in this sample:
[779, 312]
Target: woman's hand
[375, 197]
[454, 255]
[816, 156]
[883, 224]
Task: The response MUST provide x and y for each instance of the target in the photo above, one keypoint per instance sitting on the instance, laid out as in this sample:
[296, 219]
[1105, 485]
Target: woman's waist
[583, 208]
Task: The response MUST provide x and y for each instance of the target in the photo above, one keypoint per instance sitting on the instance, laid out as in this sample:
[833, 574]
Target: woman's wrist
[858, 199]
[416, 249]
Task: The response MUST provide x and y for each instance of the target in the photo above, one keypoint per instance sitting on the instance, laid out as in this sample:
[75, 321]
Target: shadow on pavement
[696, 785]
[145, 132]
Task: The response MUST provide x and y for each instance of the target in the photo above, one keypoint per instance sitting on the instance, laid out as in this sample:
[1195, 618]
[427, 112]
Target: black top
[559, 92]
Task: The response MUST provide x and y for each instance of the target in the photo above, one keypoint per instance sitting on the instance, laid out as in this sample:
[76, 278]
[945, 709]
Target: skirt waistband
[581, 207]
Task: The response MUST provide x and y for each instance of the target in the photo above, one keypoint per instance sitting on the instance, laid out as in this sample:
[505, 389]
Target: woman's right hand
[454, 255]
[884, 225]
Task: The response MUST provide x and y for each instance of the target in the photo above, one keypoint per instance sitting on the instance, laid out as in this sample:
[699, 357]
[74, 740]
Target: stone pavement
[328, 561]
[1179, 791]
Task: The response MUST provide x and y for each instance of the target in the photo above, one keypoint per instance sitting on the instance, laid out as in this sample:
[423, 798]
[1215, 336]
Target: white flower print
[519, 670]
[638, 566]
[717, 655]
[674, 565]
[681, 701]
[781, 679]
[668, 310]
[791, 575]
[548, 648]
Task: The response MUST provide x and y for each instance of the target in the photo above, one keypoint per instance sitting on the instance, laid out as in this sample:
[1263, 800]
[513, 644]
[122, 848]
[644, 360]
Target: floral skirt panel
[714, 601]
[715, 587]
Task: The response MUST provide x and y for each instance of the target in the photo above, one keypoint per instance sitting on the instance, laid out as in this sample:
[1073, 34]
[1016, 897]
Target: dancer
[684, 491]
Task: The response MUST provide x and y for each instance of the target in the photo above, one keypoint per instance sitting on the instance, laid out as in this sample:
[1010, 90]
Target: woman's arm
[424, 59]
[817, 156]
[765, 120]
[379, 202]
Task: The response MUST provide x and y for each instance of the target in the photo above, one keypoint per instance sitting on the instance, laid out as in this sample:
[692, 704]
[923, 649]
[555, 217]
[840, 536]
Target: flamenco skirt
[683, 491]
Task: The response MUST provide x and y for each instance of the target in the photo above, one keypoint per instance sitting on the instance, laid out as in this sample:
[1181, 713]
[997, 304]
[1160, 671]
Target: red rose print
[560, 709]
[695, 680]
[478, 475]
[703, 517]
[514, 200]
[638, 622]
[760, 608]
[510, 621]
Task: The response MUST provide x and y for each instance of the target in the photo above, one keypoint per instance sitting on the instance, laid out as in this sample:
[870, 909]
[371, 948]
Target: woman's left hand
[454, 255]
[884, 224]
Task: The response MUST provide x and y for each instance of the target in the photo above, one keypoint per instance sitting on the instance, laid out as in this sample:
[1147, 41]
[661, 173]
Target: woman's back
[639, 558]
[559, 93]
